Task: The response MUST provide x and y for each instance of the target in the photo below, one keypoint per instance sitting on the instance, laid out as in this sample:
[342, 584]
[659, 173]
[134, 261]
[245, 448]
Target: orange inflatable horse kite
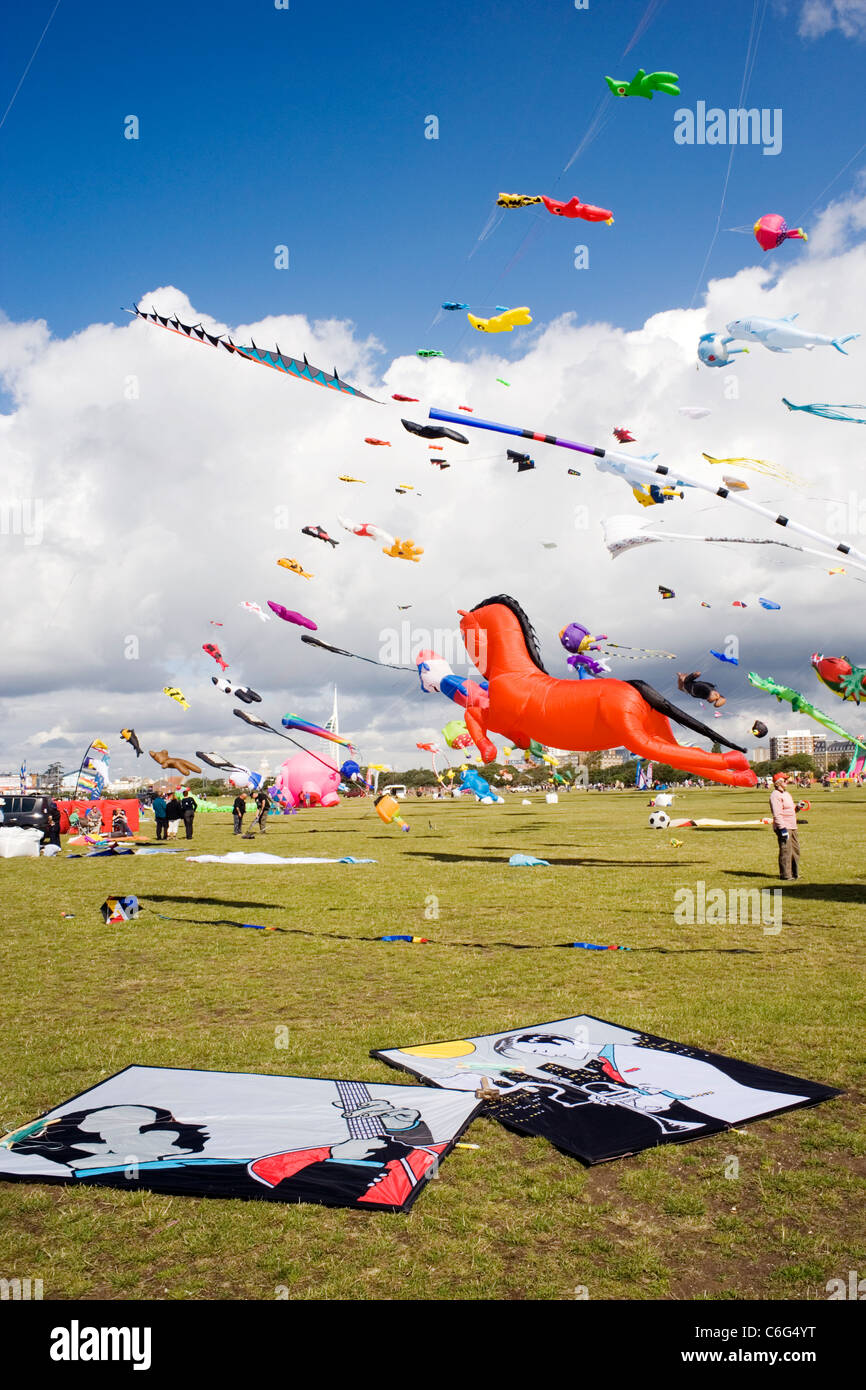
[526, 703]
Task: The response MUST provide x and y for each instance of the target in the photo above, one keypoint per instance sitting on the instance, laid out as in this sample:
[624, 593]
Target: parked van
[28, 811]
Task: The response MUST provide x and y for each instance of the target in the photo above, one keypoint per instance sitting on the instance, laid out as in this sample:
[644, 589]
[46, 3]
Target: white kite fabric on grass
[600, 1091]
[243, 1134]
[256, 859]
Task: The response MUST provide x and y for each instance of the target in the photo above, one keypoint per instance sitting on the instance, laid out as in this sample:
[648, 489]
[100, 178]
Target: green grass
[514, 1219]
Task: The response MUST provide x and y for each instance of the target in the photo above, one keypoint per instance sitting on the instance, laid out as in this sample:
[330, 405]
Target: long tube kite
[800, 705]
[829, 412]
[269, 729]
[266, 357]
[622, 533]
[305, 726]
[609, 460]
[341, 651]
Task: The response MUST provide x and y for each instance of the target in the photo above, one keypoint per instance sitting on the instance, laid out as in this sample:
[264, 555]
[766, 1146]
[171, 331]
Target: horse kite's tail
[657, 701]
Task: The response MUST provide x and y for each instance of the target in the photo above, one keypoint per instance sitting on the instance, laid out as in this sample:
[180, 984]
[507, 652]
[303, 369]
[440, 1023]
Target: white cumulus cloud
[170, 478]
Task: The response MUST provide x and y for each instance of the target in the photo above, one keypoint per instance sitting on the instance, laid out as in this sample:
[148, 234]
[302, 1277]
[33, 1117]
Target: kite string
[748, 67]
[597, 122]
[29, 65]
[643, 24]
[828, 186]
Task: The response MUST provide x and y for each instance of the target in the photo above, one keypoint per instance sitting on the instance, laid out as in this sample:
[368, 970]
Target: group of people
[169, 812]
[239, 809]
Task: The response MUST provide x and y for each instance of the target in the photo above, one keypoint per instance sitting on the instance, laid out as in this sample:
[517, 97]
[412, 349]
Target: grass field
[514, 1219]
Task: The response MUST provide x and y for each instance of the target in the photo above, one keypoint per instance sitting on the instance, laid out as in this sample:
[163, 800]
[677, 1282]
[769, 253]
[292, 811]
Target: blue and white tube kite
[649, 472]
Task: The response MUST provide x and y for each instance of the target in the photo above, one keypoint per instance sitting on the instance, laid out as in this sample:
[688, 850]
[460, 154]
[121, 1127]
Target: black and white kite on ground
[241, 1134]
[600, 1091]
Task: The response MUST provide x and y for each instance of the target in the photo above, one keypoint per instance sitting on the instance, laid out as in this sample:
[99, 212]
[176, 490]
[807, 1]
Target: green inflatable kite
[800, 705]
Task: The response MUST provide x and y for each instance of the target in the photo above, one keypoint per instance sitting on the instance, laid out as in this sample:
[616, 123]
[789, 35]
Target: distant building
[793, 742]
[758, 755]
[836, 751]
[612, 757]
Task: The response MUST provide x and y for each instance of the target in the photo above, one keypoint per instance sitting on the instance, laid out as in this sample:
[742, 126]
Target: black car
[29, 811]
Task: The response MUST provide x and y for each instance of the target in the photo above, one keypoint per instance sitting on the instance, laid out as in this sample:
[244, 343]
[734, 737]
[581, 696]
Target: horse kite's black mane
[525, 625]
[653, 697]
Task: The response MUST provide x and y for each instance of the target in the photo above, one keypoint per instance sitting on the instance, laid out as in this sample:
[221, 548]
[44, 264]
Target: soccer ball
[659, 820]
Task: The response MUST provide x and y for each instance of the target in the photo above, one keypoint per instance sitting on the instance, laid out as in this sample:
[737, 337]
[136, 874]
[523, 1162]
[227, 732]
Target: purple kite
[290, 616]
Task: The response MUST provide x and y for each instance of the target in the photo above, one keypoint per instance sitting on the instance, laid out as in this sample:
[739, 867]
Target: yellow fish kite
[345, 478]
[502, 323]
[296, 568]
[175, 694]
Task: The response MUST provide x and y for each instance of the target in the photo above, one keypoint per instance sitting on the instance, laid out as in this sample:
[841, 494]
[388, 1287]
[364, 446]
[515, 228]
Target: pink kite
[288, 615]
[772, 229]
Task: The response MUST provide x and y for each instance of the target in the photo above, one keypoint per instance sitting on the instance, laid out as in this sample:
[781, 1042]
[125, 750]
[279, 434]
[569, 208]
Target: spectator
[119, 823]
[160, 812]
[188, 809]
[52, 827]
[239, 807]
[785, 825]
[174, 813]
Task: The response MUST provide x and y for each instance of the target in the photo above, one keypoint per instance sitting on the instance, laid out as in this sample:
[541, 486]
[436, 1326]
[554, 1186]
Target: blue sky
[305, 127]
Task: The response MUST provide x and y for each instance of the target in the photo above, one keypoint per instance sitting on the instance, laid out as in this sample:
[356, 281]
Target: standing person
[785, 825]
[52, 826]
[160, 814]
[239, 807]
[263, 805]
[174, 814]
[188, 809]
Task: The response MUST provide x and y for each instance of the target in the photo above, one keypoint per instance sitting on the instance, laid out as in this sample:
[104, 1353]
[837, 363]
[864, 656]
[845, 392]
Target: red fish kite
[214, 651]
[575, 208]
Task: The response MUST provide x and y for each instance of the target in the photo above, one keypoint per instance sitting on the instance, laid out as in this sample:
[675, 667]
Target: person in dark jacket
[52, 828]
[160, 812]
[239, 807]
[188, 809]
[175, 815]
[263, 805]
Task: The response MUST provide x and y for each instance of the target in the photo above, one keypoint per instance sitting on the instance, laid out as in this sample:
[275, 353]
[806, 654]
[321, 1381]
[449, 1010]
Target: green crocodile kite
[643, 84]
[800, 705]
[429, 352]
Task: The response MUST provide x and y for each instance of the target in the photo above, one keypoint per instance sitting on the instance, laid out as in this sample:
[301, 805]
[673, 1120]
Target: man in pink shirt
[785, 825]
